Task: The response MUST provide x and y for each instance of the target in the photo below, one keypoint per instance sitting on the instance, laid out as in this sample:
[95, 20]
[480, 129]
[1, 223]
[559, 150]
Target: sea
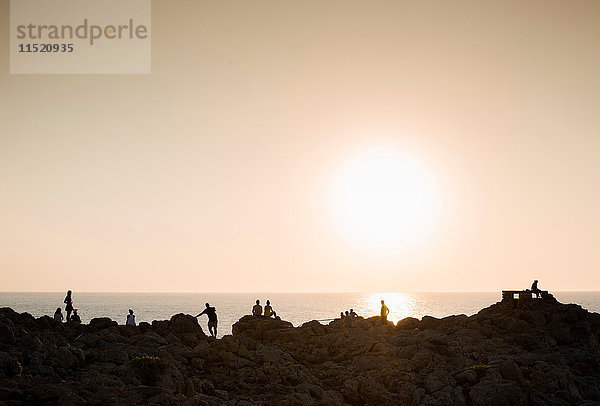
[298, 308]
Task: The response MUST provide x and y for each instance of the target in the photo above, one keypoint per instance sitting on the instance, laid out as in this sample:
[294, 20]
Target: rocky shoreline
[533, 352]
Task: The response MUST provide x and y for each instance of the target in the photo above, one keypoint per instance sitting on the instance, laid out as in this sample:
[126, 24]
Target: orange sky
[213, 172]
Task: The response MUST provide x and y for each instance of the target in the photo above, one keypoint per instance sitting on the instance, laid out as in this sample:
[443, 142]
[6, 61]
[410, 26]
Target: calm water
[295, 307]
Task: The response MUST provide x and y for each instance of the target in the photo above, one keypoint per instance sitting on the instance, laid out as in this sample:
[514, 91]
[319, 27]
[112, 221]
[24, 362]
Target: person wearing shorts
[211, 312]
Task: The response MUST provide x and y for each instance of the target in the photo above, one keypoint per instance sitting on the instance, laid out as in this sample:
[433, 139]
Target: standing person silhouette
[69, 305]
[535, 289]
[211, 312]
[257, 309]
[384, 313]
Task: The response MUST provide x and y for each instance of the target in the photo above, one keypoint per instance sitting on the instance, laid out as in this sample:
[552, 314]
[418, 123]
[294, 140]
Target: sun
[384, 200]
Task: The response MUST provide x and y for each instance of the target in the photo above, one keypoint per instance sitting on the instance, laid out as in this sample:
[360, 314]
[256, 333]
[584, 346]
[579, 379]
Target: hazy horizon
[294, 292]
[314, 147]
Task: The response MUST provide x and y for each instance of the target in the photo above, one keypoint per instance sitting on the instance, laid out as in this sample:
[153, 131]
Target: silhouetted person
[352, 314]
[75, 317]
[69, 305]
[269, 310]
[384, 312]
[58, 316]
[535, 289]
[342, 315]
[211, 312]
[130, 319]
[257, 309]
[347, 319]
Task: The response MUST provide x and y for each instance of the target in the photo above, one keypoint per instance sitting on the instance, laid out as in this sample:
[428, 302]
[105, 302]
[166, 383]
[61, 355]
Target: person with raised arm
[211, 312]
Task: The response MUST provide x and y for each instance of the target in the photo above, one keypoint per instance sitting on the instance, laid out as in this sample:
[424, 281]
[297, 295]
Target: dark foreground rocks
[540, 352]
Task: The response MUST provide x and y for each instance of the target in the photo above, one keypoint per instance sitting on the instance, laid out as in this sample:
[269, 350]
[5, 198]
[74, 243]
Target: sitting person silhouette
[58, 316]
[257, 309]
[347, 319]
[211, 312]
[269, 310]
[75, 317]
[130, 319]
[535, 289]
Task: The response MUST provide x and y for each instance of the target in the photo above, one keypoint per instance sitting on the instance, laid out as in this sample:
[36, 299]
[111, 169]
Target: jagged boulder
[260, 328]
[101, 323]
[184, 323]
[539, 352]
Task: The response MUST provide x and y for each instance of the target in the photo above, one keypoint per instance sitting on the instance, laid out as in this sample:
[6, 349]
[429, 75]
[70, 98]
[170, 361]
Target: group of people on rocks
[74, 317]
[71, 318]
[349, 316]
[210, 311]
[257, 310]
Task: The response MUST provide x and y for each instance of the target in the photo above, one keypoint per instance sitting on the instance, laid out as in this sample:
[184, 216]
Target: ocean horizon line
[290, 292]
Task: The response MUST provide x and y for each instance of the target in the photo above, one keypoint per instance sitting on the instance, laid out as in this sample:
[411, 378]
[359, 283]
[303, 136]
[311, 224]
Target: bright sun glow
[384, 200]
[401, 305]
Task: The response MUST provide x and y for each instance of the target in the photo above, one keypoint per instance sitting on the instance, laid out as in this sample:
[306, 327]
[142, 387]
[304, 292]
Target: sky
[241, 162]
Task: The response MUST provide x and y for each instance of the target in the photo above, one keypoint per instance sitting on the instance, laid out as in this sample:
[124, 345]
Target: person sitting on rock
[257, 309]
[347, 319]
[211, 312]
[535, 289]
[75, 317]
[58, 316]
[384, 313]
[353, 314]
[342, 315]
[269, 310]
[130, 319]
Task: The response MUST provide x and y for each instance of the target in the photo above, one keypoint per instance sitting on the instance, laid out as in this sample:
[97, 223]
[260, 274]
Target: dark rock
[102, 323]
[46, 392]
[260, 328]
[7, 333]
[184, 323]
[408, 323]
[429, 322]
[150, 390]
[468, 377]
[537, 352]
[510, 371]
[497, 394]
